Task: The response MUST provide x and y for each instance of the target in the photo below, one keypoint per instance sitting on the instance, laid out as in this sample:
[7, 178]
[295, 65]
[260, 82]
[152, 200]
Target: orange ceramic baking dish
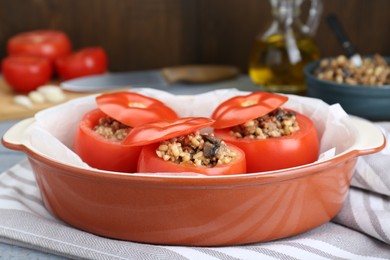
[194, 210]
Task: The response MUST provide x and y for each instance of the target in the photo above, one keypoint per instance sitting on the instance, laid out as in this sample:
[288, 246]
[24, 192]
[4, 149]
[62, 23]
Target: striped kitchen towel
[360, 231]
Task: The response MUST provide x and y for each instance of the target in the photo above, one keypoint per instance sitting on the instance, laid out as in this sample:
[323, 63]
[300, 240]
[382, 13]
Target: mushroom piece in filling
[275, 124]
[196, 149]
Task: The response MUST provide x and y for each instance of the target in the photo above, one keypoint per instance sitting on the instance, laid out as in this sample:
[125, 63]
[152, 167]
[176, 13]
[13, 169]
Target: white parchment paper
[54, 131]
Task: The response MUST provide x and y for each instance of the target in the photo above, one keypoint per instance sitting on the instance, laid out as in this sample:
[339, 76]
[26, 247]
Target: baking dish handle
[15, 137]
[369, 138]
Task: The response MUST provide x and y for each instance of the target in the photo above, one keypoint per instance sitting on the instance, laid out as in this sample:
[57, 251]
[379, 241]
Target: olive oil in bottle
[270, 65]
[279, 55]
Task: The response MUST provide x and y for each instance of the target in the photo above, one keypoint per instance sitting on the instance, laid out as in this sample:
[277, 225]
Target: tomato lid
[133, 109]
[165, 129]
[240, 109]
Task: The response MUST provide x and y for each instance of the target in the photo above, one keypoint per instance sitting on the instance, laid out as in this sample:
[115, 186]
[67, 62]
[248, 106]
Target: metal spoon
[336, 27]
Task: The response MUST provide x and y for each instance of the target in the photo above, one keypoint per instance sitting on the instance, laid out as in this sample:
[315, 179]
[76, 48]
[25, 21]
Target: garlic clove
[36, 97]
[23, 101]
[52, 93]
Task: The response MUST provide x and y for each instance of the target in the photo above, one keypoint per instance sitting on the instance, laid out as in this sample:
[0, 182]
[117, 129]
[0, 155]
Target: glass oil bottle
[280, 54]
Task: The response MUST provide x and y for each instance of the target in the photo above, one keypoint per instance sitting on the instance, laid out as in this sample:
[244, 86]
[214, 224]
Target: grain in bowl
[375, 71]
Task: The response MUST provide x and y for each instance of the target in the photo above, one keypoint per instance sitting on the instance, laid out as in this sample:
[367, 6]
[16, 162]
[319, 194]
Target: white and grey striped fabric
[360, 231]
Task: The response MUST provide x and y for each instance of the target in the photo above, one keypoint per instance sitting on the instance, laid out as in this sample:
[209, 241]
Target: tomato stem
[248, 103]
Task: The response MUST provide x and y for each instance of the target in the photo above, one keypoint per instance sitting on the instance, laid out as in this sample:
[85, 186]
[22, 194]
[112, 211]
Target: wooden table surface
[9, 110]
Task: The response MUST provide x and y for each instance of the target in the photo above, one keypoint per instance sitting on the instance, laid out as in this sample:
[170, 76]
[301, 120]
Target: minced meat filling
[275, 124]
[196, 149]
[111, 129]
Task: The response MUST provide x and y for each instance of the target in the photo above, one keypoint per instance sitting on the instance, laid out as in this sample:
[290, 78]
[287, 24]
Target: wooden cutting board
[9, 110]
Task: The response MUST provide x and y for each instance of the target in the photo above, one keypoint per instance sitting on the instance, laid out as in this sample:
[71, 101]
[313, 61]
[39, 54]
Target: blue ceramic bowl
[369, 102]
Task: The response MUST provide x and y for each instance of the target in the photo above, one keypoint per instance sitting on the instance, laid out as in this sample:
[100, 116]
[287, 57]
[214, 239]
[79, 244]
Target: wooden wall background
[148, 34]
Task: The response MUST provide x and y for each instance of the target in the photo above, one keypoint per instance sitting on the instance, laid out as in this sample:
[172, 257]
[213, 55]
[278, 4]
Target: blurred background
[139, 34]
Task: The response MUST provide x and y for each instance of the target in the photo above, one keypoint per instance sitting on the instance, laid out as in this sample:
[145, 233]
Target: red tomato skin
[26, 73]
[116, 105]
[84, 62]
[101, 153]
[51, 44]
[149, 162]
[161, 130]
[240, 109]
[302, 147]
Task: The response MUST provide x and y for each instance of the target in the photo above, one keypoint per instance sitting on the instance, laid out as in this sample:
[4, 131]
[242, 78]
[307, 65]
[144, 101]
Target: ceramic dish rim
[238, 179]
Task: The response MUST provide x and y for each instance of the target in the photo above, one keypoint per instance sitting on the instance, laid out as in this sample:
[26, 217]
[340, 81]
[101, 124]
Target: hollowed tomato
[102, 153]
[274, 153]
[277, 153]
[149, 162]
[151, 134]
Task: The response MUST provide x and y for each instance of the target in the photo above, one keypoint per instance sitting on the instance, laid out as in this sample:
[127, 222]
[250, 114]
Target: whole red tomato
[87, 61]
[274, 153]
[51, 44]
[26, 73]
[152, 133]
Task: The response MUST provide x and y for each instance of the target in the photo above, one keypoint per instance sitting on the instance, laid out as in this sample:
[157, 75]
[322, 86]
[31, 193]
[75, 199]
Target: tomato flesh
[299, 148]
[100, 152]
[149, 162]
[26, 73]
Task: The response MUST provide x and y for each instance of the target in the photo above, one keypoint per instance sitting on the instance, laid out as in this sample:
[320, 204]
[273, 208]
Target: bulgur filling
[196, 149]
[275, 124]
[111, 129]
[373, 72]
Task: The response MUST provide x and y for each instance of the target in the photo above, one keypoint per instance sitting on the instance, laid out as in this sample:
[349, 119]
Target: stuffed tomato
[178, 146]
[101, 132]
[271, 136]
